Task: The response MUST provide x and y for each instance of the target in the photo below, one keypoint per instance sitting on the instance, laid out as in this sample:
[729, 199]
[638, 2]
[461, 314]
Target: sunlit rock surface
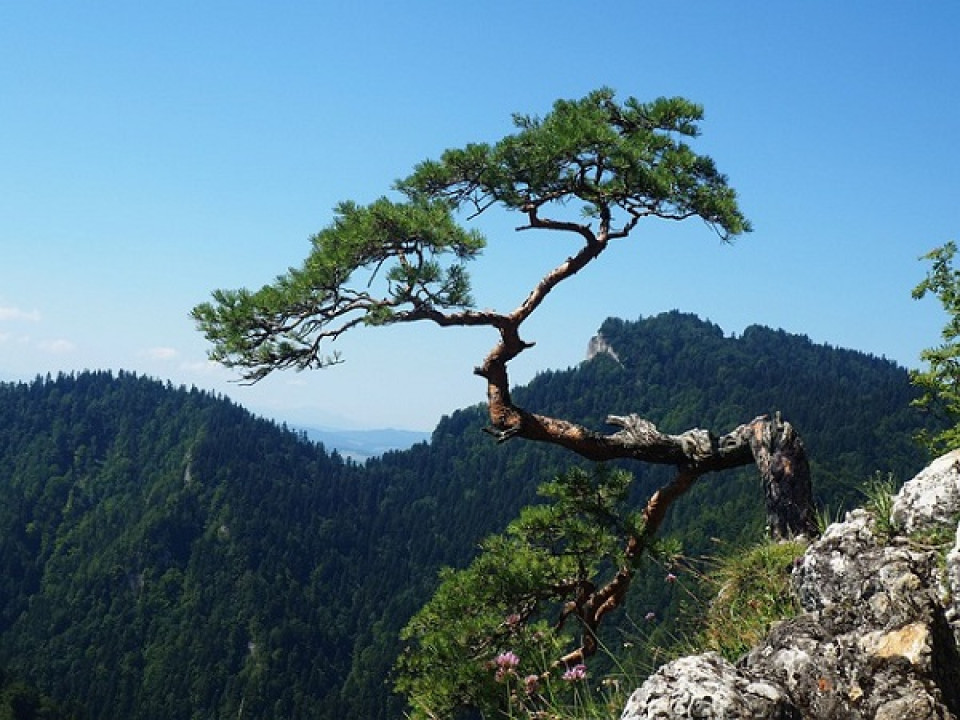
[878, 638]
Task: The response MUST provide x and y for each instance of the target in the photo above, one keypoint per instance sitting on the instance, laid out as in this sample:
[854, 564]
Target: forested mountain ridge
[146, 531]
[683, 372]
[166, 554]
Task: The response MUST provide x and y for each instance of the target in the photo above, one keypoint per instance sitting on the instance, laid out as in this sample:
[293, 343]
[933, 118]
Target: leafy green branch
[940, 382]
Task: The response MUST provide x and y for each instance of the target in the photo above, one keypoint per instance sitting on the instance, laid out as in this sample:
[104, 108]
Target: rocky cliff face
[598, 345]
[879, 635]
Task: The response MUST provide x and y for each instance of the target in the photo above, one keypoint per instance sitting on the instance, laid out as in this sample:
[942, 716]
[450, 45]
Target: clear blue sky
[151, 152]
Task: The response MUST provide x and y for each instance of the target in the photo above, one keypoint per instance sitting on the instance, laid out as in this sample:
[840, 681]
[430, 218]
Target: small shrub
[879, 491]
[826, 517]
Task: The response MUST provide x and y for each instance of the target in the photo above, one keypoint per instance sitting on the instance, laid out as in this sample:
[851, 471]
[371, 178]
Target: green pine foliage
[940, 381]
[617, 162]
[506, 603]
[19, 701]
[166, 554]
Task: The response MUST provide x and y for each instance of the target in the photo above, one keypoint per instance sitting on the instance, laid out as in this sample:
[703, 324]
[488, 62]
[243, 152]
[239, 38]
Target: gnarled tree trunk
[770, 443]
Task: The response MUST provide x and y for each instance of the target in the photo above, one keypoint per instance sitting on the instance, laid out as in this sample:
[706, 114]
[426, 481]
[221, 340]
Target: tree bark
[787, 488]
[771, 444]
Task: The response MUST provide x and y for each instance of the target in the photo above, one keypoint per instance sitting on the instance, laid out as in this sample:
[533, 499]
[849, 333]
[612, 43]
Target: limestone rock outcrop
[878, 637]
[598, 345]
[707, 686]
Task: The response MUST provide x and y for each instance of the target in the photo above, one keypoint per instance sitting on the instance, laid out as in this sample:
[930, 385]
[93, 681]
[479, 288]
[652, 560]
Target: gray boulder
[878, 636]
[932, 498]
[710, 688]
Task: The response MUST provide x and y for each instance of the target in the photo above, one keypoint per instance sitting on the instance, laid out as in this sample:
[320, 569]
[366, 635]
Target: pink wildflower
[577, 672]
[530, 684]
[506, 663]
[671, 578]
[507, 660]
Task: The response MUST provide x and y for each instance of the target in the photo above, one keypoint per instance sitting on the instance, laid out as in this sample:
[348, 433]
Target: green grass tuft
[753, 592]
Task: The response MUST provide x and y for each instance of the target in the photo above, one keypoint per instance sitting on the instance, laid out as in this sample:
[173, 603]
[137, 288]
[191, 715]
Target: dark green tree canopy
[401, 260]
[629, 158]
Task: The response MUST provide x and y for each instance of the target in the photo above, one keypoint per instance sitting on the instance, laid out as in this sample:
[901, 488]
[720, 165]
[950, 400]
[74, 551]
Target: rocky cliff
[878, 637]
[599, 345]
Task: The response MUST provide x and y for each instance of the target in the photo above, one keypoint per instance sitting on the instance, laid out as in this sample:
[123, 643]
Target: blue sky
[151, 152]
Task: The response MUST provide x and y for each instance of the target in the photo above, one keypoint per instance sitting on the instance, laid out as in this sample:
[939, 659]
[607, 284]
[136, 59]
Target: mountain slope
[166, 554]
[161, 545]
